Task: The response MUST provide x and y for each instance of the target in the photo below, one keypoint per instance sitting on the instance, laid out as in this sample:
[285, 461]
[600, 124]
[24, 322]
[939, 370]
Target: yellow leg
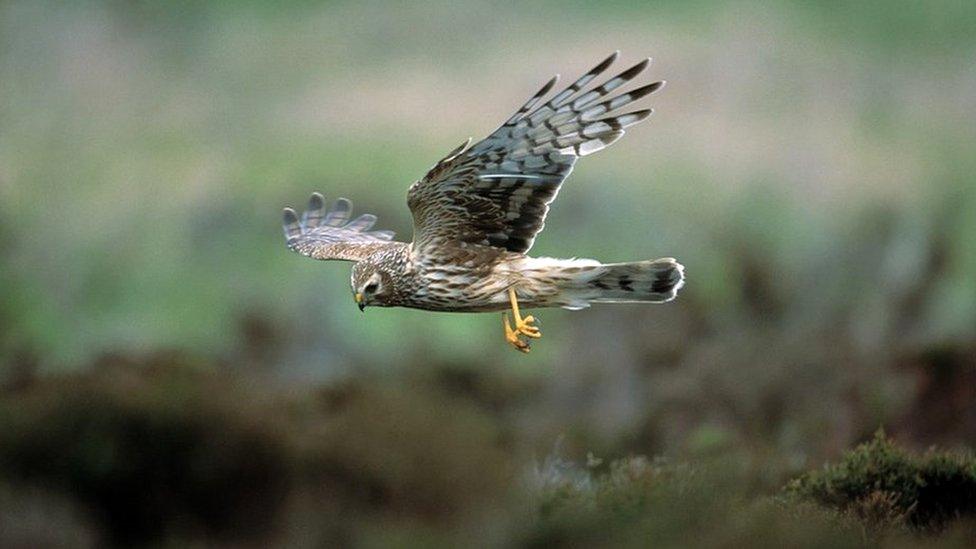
[523, 326]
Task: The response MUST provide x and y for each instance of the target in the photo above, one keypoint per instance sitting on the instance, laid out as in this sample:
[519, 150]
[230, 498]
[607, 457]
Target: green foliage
[887, 487]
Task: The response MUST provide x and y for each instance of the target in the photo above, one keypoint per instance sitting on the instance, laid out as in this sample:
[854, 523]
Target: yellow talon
[512, 336]
[523, 326]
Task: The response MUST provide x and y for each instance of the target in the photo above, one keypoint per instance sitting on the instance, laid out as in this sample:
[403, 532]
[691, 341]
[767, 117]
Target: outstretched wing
[322, 234]
[498, 191]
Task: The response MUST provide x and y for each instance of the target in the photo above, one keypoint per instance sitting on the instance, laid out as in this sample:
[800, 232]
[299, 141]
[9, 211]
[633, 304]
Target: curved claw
[522, 346]
[512, 336]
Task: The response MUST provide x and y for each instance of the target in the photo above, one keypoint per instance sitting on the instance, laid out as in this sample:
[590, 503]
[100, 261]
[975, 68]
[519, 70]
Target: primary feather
[328, 234]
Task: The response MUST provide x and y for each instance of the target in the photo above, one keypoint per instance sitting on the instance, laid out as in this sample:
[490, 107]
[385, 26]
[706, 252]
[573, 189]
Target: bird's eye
[371, 288]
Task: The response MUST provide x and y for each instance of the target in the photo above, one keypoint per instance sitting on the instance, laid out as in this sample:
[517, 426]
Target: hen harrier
[477, 212]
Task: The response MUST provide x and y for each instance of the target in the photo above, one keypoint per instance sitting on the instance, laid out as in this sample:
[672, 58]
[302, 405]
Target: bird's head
[371, 285]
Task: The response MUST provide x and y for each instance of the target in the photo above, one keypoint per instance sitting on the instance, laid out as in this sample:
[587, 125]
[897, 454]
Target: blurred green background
[812, 165]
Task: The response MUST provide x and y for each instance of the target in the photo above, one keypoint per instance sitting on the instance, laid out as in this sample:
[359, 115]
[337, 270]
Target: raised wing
[322, 234]
[498, 191]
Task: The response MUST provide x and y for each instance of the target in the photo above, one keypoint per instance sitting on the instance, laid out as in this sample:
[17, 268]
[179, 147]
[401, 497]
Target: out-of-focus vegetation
[162, 451]
[884, 486]
[166, 448]
[811, 164]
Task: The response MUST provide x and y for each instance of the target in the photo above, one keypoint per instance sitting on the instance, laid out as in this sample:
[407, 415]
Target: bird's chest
[453, 287]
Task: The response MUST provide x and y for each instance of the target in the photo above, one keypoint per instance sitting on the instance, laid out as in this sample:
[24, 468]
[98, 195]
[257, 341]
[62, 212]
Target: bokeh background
[811, 163]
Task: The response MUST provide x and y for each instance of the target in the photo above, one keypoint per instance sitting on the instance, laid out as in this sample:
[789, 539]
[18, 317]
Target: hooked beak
[359, 301]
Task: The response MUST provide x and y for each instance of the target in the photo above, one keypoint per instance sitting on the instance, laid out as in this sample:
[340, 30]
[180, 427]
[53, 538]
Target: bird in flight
[477, 212]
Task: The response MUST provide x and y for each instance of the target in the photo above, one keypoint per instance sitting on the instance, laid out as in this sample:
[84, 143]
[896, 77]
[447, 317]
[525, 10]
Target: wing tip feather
[605, 64]
[548, 85]
[635, 70]
[290, 223]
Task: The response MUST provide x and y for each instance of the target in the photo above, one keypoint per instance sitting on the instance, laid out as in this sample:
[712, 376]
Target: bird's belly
[483, 308]
[459, 308]
[459, 304]
[476, 296]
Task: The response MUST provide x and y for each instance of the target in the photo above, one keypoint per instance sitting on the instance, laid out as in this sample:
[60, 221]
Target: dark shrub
[165, 449]
[885, 486]
[150, 452]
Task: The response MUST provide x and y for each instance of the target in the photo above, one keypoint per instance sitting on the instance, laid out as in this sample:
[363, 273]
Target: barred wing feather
[329, 234]
[497, 192]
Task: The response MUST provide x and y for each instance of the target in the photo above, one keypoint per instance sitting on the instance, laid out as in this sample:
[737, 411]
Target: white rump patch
[505, 175]
[545, 263]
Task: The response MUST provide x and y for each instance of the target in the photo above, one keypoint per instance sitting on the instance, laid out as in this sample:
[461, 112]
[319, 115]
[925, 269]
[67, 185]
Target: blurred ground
[811, 165]
[171, 450]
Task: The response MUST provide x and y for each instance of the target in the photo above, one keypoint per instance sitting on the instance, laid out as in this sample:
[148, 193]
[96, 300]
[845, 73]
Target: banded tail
[580, 282]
